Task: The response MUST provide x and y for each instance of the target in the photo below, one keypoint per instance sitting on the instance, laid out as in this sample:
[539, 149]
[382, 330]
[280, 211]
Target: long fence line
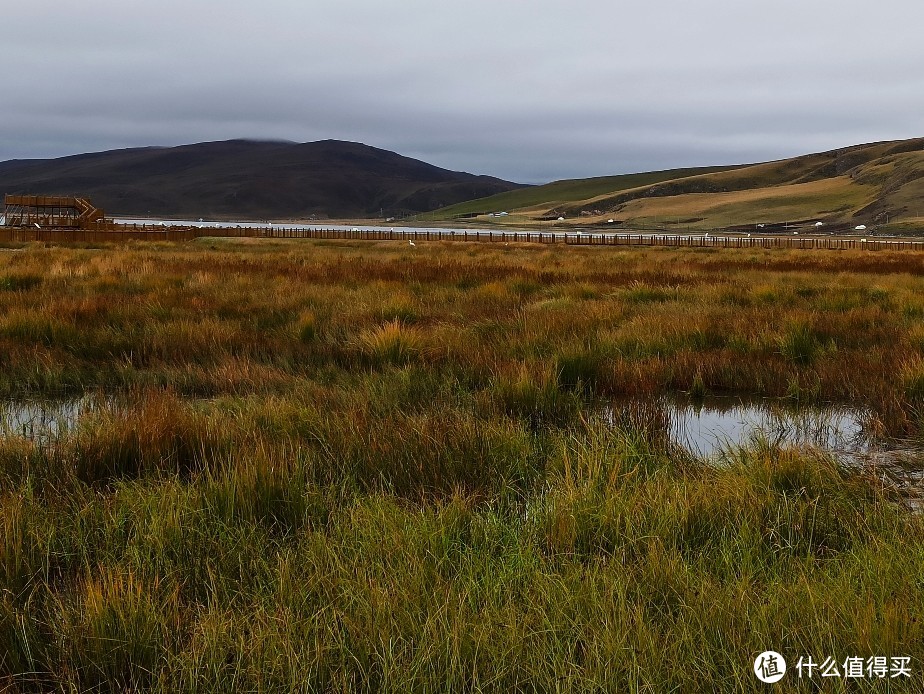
[138, 232]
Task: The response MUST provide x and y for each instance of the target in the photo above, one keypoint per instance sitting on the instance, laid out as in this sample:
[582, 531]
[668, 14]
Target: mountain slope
[242, 178]
[880, 183]
[566, 191]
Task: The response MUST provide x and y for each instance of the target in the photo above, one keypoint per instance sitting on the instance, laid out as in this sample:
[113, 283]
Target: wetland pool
[710, 430]
[714, 428]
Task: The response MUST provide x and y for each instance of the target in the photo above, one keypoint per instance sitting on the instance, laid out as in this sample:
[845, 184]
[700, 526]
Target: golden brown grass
[358, 466]
[814, 200]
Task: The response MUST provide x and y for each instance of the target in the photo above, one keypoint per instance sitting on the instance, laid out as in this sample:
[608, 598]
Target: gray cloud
[530, 91]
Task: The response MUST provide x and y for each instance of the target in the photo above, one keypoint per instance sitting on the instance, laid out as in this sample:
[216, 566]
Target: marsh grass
[799, 345]
[308, 326]
[350, 468]
[535, 397]
[580, 370]
[16, 282]
[393, 343]
[912, 378]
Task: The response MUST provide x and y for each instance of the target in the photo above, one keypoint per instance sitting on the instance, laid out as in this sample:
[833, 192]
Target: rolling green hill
[565, 191]
[880, 184]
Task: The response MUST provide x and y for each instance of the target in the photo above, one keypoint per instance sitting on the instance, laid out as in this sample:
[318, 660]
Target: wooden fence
[129, 232]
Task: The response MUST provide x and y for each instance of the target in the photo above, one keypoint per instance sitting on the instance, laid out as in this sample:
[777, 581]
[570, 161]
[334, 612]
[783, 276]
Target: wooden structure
[46, 211]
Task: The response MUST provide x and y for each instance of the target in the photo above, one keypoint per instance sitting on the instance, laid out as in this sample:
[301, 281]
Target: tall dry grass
[321, 467]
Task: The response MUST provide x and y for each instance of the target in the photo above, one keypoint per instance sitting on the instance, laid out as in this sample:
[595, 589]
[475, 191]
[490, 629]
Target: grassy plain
[341, 466]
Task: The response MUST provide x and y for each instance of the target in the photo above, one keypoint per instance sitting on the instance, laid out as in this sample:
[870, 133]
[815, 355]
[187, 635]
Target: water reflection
[715, 428]
[707, 429]
[43, 420]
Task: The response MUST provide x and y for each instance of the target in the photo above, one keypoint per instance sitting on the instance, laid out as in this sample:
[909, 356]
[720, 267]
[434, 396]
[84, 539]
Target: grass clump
[19, 282]
[393, 343]
[799, 345]
[912, 378]
[156, 433]
[117, 629]
[307, 328]
[581, 370]
[534, 397]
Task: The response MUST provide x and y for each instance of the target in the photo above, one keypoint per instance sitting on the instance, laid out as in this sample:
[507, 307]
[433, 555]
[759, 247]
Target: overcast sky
[529, 91]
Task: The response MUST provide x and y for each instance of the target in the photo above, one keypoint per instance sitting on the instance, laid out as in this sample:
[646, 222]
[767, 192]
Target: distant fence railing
[117, 233]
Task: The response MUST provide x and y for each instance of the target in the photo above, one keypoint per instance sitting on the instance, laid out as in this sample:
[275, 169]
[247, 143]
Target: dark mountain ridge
[248, 179]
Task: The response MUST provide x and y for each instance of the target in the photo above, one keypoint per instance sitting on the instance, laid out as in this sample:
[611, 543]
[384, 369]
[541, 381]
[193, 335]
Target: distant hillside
[879, 184]
[248, 179]
[570, 190]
